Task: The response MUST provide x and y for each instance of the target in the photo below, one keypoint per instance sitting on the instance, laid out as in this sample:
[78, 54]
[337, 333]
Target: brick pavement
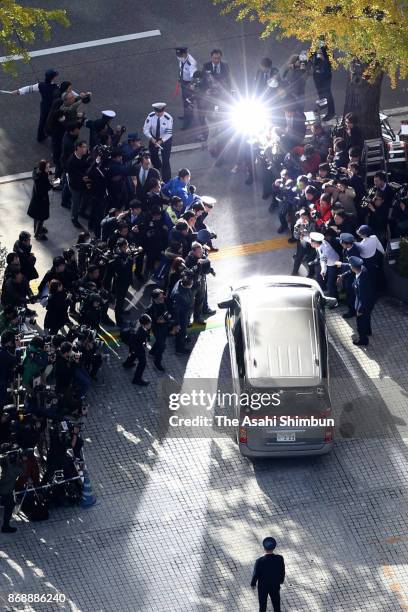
[179, 521]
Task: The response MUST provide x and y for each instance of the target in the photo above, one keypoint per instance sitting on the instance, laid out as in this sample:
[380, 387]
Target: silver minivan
[278, 344]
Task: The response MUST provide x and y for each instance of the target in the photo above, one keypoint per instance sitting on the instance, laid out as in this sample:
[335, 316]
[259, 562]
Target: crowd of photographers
[143, 229]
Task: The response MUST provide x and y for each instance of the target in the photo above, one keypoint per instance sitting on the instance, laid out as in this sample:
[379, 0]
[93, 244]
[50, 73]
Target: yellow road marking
[250, 248]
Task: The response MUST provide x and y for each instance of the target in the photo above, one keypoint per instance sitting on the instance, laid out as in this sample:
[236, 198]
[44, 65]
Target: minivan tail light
[243, 435]
[328, 436]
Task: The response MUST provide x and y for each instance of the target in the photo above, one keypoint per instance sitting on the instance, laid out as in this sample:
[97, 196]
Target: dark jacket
[57, 311]
[68, 147]
[39, 207]
[76, 168]
[27, 260]
[9, 474]
[182, 302]
[137, 341]
[141, 190]
[120, 270]
[64, 374]
[365, 292]
[223, 78]
[269, 572]
[15, 294]
[321, 67]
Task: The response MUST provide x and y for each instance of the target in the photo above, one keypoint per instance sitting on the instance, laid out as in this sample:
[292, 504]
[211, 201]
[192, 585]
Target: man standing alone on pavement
[269, 574]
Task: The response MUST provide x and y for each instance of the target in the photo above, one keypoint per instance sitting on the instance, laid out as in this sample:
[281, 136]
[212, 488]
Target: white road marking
[84, 45]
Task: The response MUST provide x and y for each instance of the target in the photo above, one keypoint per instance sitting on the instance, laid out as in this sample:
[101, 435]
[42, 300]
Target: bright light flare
[249, 116]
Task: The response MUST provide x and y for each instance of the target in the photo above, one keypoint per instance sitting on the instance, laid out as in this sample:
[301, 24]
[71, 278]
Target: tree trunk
[363, 99]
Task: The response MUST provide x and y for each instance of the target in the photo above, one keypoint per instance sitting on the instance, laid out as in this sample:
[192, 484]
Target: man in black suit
[145, 173]
[269, 574]
[264, 74]
[219, 70]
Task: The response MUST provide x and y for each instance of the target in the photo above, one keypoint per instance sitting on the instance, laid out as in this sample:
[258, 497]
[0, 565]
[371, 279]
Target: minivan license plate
[286, 437]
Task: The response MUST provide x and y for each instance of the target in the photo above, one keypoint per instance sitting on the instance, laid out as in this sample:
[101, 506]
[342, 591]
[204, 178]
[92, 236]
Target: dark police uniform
[351, 250]
[269, 574]
[365, 299]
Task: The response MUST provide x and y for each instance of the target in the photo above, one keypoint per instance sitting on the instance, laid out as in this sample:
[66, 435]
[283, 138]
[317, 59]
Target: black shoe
[76, 224]
[281, 229]
[8, 529]
[360, 342]
[209, 312]
[158, 366]
[44, 229]
[349, 315]
[128, 364]
[140, 382]
[183, 351]
[292, 240]
[199, 321]
[30, 313]
[40, 237]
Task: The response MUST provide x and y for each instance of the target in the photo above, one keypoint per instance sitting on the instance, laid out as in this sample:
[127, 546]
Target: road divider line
[251, 248]
[84, 45]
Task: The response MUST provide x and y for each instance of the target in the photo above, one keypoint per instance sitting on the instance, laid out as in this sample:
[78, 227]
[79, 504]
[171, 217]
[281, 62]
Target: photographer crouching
[200, 265]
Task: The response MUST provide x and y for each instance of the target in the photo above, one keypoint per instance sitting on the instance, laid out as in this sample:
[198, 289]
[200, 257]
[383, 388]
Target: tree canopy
[376, 33]
[20, 26]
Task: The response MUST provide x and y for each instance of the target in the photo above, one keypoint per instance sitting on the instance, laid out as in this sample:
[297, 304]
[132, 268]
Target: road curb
[191, 146]
[23, 176]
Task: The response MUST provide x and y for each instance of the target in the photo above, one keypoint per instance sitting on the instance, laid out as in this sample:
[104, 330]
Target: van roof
[280, 337]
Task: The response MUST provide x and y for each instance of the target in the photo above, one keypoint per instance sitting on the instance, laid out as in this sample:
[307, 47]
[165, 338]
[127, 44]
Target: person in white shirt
[158, 129]
[371, 251]
[187, 68]
[327, 257]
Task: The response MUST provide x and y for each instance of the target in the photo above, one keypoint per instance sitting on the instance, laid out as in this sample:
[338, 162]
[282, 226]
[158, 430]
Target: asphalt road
[129, 76]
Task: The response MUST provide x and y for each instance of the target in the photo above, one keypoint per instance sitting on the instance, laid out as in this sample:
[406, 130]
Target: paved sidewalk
[179, 521]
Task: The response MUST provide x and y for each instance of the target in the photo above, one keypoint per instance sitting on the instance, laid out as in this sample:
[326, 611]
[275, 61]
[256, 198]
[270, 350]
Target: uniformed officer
[269, 574]
[187, 68]
[158, 129]
[327, 257]
[47, 90]
[350, 249]
[365, 297]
